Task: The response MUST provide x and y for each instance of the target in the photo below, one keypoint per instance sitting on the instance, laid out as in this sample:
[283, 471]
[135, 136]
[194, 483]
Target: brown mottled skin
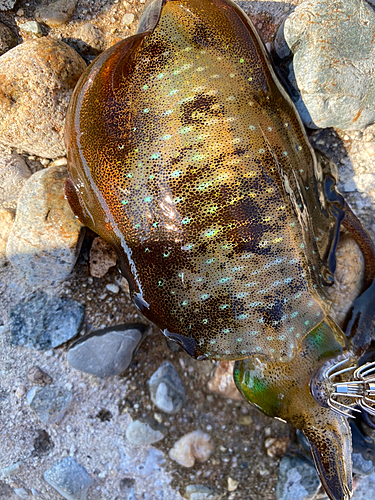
[186, 154]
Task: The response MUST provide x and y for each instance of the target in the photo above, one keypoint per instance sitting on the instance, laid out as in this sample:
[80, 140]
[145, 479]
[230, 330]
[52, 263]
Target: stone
[32, 27]
[145, 431]
[21, 493]
[200, 492]
[69, 478]
[194, 446]
[102, 257]
[5, 490]
[166, 389]
[8, 39]
[44, 322]
[364, 489]
[276, 447]
[38, 376]
[222, 381]
[333, 62]
[11, 470]
[128, 19]
[37, 78]
[90, 39]
[13, 175]
[232, 484]
[7, 4]
[56, 13]
[107, 352]
[349, 275]
[49, 403]
[6, 223]
[298, 479]
[112, 287]
[46, 238]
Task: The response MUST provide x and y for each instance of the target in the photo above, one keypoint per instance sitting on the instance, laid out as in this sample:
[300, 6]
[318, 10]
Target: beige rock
[348, 278]
[13, 174]
[222, 381]
[56, 13]
[46, 237]
[6, 223]
[90, 38]
[37, 78]
[102, 258]
[196, 445]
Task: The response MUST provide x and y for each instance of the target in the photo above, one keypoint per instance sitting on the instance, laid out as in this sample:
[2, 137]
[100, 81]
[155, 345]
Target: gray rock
[46, 237]
[362, 466]
[13, 175]
[145, 431]
[298, 479]
[32, 27]
[5, 490]
[334, 62]
[69, 478]
[166, 389]
[365, 489]
[56, 13]
[21, 492]
[44, 322]
[49, 403]
[200, 492]
[11, 470]
[37, 78]
[7, 4]
[106, 352]
[7, 39]
[38, 376]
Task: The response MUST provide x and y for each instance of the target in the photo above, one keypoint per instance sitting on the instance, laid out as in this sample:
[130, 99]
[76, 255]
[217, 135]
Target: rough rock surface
[194, 446]
[46, 237]
[44, 322]
[106, 352]
[69, 478]
[7, 4]
[8, 39]
[333, 62]
[145, 431]
[6, 223]
[102, 258]
[298, 479]
[36, 81]
[49, 403]
[56, 13]
[13, 175]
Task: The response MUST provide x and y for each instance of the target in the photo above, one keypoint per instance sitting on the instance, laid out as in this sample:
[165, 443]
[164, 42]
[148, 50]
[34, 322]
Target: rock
[46, 237]
[128, 19]
[222, 381]
[145, 431]
[90, 39]
[38, 376]
[102, 258]
[44, 322]
[6, 223]
[37, 78]
[49, 403]
[363, 451]
[334, 62]
[106, 352]
[112, 287]
[13, 175]
[366, 486]
[232, 484]
[21, 493]
[56, 13]
[166, 389]
[298, 479]
[195, 445]
[200, 492]
[32, 27]
[11, 470]
[349, 276]
[5, 490]
[69, 478]
[7, 4]
[276, 447]
[7, 39]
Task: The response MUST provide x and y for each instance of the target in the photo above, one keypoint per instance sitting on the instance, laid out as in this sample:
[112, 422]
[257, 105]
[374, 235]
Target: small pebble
[166, 389]
[56, 13]
[49, 403]
[6, 223]
[107, 352]
[201, 492]
[195, 445]
[20, 391]
[222, 381]
[128, 19]
[113, 288]
[276, 447]
[145, 431]
[31, 27]
[38, 376]
[69, 478]
[11, 470]
[21, 492]
[232, 484]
